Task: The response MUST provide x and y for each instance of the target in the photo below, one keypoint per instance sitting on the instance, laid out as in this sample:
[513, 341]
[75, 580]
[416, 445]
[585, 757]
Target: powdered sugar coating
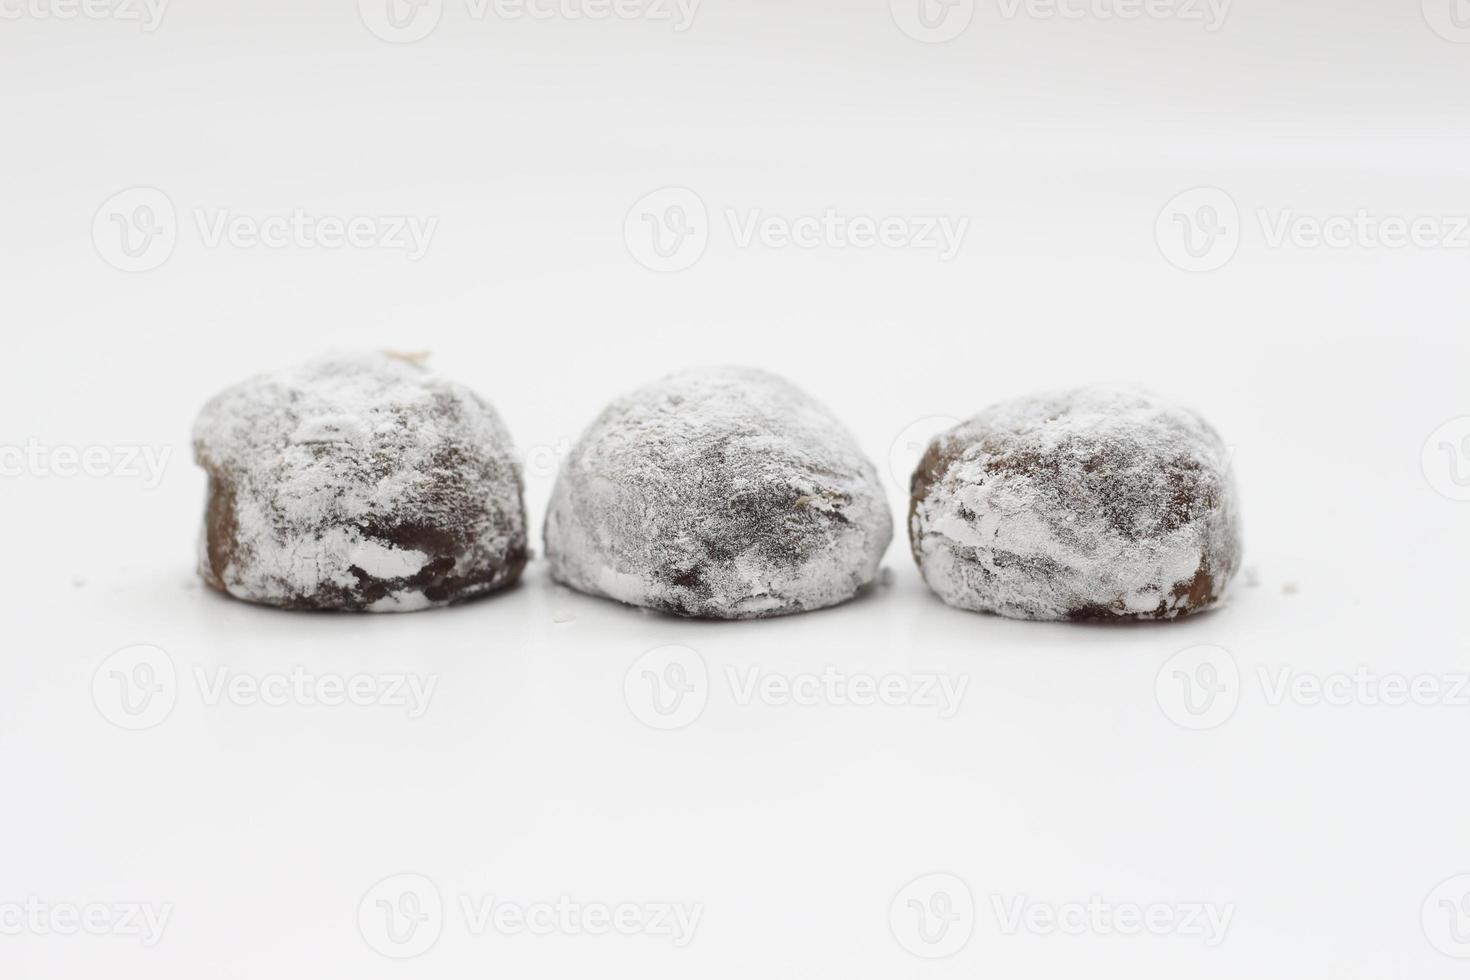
[358, 481]
[719, 492]
[1091, 503]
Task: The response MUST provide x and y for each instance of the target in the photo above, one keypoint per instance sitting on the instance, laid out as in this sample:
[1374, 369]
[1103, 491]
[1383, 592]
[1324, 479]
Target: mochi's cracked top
[360, 482]
[1093, 503]
[720, 492]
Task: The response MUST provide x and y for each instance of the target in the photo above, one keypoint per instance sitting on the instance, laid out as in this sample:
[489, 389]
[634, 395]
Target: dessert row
[366, 482]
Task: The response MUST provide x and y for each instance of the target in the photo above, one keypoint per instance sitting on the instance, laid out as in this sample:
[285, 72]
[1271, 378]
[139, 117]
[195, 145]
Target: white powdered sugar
[358, 481]
[1093, 503]
[719, 492]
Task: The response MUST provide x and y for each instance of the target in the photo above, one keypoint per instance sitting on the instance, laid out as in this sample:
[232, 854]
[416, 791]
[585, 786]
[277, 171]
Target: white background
[1073, 768]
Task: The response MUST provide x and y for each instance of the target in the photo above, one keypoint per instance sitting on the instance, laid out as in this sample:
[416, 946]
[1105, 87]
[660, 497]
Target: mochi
[722, 492]
[358, 482]
[1087, 504]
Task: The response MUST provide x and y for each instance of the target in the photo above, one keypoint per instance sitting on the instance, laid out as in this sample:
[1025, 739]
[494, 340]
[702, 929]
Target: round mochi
[1089, 504]
[358, 482]
[725, 493]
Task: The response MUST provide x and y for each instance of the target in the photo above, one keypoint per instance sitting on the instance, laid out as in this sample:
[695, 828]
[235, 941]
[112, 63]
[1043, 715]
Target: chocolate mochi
[1090, 504]
[725, 493]
[359, 482]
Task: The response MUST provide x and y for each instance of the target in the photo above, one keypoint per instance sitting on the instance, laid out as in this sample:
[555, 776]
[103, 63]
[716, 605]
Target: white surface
[1327, 830]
